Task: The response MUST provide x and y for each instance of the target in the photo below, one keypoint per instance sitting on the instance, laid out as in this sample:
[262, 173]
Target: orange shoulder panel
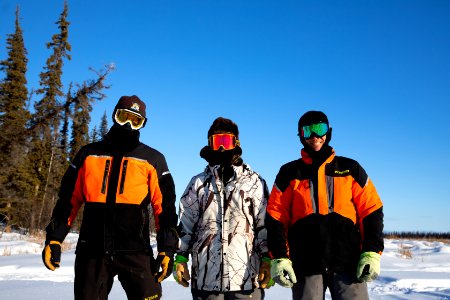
[366, 200]
[279, 205]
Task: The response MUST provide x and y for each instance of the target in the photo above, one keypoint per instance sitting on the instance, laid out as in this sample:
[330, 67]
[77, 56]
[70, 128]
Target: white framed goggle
[123, 116]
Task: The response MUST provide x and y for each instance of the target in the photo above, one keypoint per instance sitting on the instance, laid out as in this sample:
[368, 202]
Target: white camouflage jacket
[222, 227]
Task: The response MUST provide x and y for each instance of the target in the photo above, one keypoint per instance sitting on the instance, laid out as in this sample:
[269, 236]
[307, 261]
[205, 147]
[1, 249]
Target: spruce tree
[87, 94]
[80, 123]
[13, 119]
[104, 126]
[34, 149]
[67, 114]
[47, 159]
[94, 135]
[51, 79]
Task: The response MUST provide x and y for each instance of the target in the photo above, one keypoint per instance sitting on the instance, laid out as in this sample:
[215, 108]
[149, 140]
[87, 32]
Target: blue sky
[379, 69]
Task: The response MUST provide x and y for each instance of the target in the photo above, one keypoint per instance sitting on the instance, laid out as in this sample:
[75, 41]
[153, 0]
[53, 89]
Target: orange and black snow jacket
[323, 229]
[116, 189]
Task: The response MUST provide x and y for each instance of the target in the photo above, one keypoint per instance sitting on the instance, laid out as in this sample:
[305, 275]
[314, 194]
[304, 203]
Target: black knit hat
[132, 103]
[221, 125]
[312, 117]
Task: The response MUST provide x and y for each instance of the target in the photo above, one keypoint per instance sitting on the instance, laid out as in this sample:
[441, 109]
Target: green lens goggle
[317, 129]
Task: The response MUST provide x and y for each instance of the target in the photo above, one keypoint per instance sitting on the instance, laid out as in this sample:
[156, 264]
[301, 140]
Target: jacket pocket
[105, 176]
[122, 178]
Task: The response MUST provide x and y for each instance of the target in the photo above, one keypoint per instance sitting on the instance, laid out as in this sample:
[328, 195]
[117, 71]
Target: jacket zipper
[110, 214]
[223, 224]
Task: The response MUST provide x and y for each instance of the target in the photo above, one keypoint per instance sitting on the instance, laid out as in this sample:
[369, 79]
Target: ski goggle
[124, 116]
[317, 129]
[226, 140]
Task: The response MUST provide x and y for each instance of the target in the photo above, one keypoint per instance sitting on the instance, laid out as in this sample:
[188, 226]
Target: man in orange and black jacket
[117, 179]
[324, 220]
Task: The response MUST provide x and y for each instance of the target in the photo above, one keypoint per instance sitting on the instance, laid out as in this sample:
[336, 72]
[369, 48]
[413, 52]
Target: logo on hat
[135, 107]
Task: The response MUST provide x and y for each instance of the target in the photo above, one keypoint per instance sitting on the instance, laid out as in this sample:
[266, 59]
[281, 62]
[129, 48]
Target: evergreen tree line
[41, 128]
[417, 235]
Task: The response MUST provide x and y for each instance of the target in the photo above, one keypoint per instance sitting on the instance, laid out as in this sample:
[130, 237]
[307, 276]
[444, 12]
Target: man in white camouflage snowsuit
[221, 224]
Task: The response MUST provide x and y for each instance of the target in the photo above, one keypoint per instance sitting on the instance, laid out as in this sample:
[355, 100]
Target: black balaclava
[123, 136]
[312, 117]
[224, 158]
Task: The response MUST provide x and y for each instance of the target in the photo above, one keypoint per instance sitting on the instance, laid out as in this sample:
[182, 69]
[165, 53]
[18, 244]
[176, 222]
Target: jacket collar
[309, 160]
[238, 170]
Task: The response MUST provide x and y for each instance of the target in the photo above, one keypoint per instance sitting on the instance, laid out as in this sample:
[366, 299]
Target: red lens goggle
[226, 140]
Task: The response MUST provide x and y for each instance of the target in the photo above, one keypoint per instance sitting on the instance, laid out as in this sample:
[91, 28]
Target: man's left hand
[368, 267]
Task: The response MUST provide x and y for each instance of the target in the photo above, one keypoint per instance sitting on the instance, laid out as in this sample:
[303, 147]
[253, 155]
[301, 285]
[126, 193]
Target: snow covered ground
[410, 269]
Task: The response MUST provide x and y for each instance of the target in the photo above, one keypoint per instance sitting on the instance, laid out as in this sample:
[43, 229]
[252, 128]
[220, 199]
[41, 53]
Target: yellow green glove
[282, 272]
[264, 278]
[180, 270]
[51, 255]
[164, 261]
[368, 267]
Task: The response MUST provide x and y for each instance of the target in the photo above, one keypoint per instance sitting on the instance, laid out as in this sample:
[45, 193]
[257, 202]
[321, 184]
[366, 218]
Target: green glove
[282, 272]
[264, 278]
[368, 266]
[180, 270]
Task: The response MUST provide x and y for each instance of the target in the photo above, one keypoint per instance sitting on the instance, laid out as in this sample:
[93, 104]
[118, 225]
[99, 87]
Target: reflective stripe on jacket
[222, 227]
[325, 231]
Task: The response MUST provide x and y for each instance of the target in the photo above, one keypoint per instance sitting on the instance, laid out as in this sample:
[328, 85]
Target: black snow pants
[94, 276]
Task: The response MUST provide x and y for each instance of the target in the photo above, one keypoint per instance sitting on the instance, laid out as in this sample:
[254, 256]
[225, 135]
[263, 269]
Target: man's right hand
[51, 255]
[282, 272]
[264, 278]
[181, 271]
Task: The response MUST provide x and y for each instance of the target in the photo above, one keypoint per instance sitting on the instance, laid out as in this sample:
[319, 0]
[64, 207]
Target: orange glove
[51, 255]
[165, 262]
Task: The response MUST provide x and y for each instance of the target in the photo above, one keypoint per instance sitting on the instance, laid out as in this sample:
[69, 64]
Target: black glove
[51, 255]
[165, 262]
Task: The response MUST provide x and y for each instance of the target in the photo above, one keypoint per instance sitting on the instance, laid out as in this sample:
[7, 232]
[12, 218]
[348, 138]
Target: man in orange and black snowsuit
[117, 179]
[324, 220]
